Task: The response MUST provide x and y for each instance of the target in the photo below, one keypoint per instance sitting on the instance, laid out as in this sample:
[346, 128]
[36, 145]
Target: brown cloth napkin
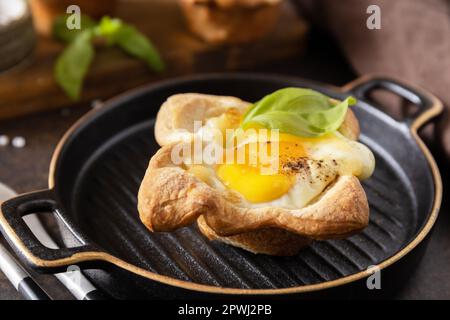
[413, 43]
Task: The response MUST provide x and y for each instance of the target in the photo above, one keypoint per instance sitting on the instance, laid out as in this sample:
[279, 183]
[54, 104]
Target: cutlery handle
[30, 290]
[20, 278]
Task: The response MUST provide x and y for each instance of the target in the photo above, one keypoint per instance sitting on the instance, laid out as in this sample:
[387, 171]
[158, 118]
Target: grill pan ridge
[98, 167]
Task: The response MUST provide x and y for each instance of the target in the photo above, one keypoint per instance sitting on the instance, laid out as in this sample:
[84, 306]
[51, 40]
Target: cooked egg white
[306, 167]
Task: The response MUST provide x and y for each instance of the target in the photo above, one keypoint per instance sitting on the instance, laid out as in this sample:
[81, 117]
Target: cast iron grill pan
[99, 166]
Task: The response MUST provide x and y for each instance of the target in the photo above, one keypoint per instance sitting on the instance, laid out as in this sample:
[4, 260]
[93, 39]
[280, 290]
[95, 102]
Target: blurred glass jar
[231, 21]
[45, 11]
[17, 37]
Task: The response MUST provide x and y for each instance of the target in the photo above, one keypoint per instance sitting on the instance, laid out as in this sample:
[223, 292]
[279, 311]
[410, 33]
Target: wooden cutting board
[30, 87]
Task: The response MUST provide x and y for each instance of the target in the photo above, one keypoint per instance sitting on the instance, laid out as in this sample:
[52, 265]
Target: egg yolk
[253, 186]
[256, 187]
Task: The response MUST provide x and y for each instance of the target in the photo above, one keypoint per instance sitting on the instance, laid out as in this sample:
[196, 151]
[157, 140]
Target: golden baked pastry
[230, 21]
[315, 194]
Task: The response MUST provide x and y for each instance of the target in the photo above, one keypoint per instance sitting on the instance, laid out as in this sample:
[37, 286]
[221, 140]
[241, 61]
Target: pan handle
[429, 106]
[27, 246]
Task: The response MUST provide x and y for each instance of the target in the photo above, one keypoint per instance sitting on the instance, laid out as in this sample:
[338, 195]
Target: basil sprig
[73, 64]
[298, 111]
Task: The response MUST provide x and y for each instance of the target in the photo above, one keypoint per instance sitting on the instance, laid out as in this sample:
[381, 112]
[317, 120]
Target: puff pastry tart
[313, 192]
[231, 21]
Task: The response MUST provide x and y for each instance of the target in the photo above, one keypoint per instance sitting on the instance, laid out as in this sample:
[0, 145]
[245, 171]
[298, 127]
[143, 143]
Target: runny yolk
[253, 186]
[247, 179]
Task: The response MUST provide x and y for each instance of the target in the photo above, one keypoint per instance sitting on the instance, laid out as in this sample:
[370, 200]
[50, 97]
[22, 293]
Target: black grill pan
[98, 166]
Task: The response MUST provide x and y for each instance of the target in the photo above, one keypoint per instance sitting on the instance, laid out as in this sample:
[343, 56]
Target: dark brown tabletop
[26, 169]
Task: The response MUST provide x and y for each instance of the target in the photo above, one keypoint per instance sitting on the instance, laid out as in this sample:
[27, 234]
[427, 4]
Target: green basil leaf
[288, 123]
[138, 45]
[285, 99]
[298, 111]
[61, 32]
[73, 64]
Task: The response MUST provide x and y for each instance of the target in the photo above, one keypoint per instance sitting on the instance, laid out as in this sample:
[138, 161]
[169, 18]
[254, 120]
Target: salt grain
[4, 140]
[18, 142]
